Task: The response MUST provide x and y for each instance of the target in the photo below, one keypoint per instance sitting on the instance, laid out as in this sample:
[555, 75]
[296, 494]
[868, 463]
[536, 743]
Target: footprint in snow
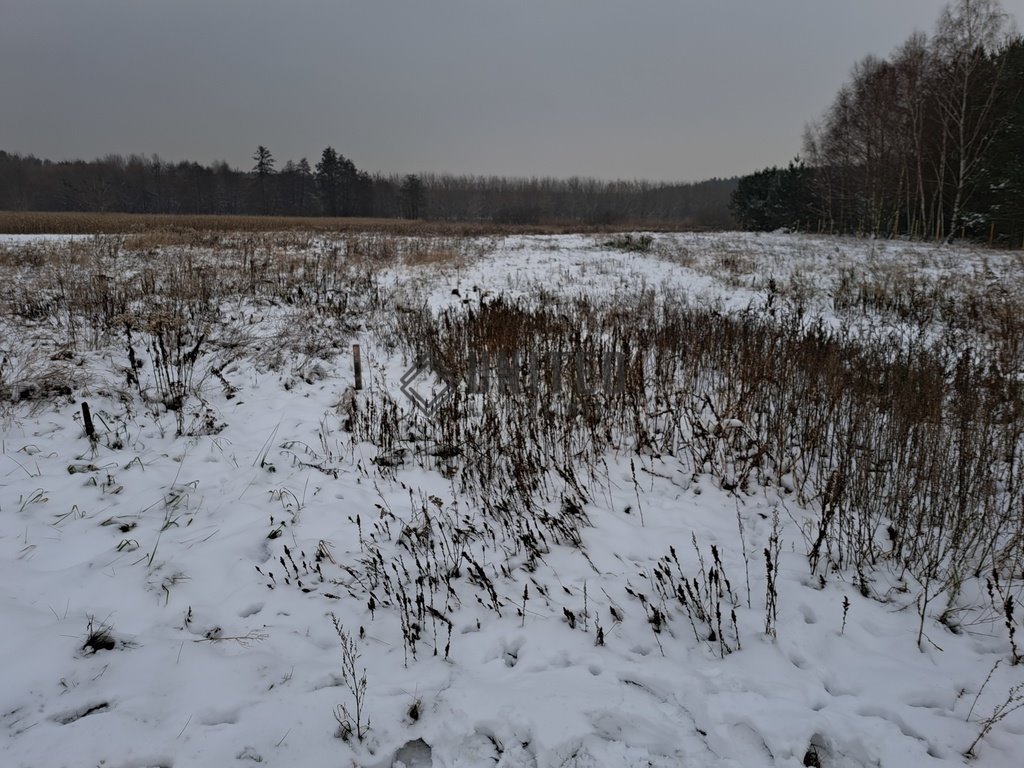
[251, 610]
[219, 716]
[510, 650]
[414, 754]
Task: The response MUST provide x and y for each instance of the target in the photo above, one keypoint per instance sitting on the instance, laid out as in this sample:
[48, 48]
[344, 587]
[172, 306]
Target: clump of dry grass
[907, 451]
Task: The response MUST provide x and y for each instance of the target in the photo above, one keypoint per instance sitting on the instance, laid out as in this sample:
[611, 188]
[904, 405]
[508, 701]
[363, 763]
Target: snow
[168, 542]
[17, 240]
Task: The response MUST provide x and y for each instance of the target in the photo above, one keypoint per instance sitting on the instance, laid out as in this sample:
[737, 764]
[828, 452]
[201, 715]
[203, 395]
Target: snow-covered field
[178, 588]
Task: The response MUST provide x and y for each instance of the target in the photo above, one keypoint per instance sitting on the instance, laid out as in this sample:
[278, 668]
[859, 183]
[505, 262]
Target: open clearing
[680, 499]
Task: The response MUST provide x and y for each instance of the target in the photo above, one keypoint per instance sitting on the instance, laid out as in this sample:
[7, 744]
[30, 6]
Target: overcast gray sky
[658, 89]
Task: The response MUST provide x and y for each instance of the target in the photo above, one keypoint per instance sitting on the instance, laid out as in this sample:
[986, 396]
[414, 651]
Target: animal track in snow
[810, 617]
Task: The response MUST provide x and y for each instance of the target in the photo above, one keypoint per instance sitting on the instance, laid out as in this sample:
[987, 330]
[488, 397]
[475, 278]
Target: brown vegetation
[175, 227]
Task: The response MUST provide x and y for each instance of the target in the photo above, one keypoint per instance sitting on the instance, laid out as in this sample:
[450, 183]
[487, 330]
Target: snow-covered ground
[167, 600]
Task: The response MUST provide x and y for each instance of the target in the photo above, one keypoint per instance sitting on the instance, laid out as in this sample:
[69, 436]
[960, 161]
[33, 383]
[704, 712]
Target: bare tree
[911, 62]
[967, 34]
[411, 194]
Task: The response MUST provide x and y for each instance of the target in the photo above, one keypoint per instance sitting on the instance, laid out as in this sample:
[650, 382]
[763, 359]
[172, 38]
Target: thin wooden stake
[90, 430]
[357, 364]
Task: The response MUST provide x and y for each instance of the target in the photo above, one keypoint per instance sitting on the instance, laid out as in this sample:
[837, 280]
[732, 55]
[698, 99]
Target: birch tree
[968, 33]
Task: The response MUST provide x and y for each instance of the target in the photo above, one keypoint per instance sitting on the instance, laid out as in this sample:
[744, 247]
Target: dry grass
[176, 229]
[909, 450]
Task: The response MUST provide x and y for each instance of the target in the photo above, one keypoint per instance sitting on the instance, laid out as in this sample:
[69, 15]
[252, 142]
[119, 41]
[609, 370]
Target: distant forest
[928, 143]
[334, 186]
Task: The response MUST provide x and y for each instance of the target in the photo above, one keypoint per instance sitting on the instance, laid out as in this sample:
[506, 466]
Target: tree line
[927, 143]
[334, 186]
